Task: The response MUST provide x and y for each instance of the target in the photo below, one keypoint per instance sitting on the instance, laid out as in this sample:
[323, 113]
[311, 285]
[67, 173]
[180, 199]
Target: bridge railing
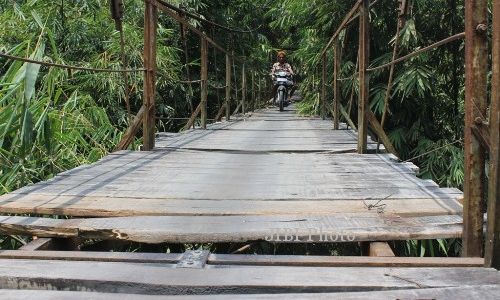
[146, 114]
[481, 130]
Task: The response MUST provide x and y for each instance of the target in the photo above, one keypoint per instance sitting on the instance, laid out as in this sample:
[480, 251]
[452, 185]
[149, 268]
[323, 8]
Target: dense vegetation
[52, 119]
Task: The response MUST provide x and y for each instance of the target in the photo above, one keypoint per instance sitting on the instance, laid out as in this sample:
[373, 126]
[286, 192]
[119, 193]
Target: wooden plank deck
[273, 174]
[97, 278]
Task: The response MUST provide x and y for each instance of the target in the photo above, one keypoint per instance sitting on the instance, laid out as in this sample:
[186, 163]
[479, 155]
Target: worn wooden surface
[465, 292]
[166, 279]
[238, 181]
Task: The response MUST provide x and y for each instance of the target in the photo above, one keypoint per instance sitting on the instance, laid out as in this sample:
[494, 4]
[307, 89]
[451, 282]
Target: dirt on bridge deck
[271, 176]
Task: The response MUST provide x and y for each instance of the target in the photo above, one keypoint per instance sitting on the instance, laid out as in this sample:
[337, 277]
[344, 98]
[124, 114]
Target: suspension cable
[191, 15]
[12, 57]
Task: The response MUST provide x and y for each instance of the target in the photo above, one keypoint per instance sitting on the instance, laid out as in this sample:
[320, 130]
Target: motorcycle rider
[282, 65]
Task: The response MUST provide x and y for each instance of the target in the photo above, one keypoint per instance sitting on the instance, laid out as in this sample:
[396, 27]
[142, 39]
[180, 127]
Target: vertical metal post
[243, 89]
[204, 81]
[323, 86]
[364, 57]
[492, 247]
[228, 87]
[476, 68]
[336, 88]
[150, 20]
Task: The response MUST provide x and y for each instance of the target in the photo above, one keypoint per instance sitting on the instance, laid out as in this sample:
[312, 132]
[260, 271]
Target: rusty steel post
[492, 247]
[323, 86]
[476, 69]
[228, 87]
[336, 87]
[150, 21]
[204, 81]
[364, 57]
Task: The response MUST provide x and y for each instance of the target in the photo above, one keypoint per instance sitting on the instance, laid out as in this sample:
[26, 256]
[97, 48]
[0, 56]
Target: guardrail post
[476, 69]
[492, 247]
[228, 87]
[204, 81]
[336, 88]
[150, 21]
[364, 57]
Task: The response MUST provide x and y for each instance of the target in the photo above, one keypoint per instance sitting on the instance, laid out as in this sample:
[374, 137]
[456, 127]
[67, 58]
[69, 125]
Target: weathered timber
[129, 135]
[249, 259]
[193, 117]
[364, 81]
[375, 125]
[105, 277]
[476, 69]
[492, 247]
[204, 82]
[380, 249]
[336, 84]
[485, 292]
[150, 23]
[228, 87]
[278, 228]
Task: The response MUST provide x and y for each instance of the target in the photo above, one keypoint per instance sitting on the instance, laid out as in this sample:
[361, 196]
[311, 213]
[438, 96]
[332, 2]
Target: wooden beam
[228, 87]
[347, 117]
[476, 69]
[364, 61]
[129, 135]
[218, 117]
[380, 249]
[243, 89]
[150, 21]
[492, 247]
[192, 118]
[336, 85]
[204, 82]
[323, 86]
[39, 244]
[375, 125]
[248, 260]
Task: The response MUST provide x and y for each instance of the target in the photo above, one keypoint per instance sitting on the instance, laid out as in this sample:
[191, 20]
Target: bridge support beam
[150, 21]
[336, 85]
[228, 87]
[476, 70]
[323, 86]
[204, 82]
[492, 247]
[364, 58]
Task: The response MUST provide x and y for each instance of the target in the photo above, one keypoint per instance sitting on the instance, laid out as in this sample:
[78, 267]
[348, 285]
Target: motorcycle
[283, 80]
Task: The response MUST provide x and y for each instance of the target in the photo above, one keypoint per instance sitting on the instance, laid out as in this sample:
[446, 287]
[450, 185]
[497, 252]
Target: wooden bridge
[269, 177]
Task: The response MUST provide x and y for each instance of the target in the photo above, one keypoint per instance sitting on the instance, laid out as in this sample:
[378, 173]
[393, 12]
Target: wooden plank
[88, 206]
[192, 118]
[166, 280]
[470, 292]
[476, 70]
[379, 130]
[492, 246]
[323, 86]
[207, 229]
[39, 244]
[249, 260]
[380, 249]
